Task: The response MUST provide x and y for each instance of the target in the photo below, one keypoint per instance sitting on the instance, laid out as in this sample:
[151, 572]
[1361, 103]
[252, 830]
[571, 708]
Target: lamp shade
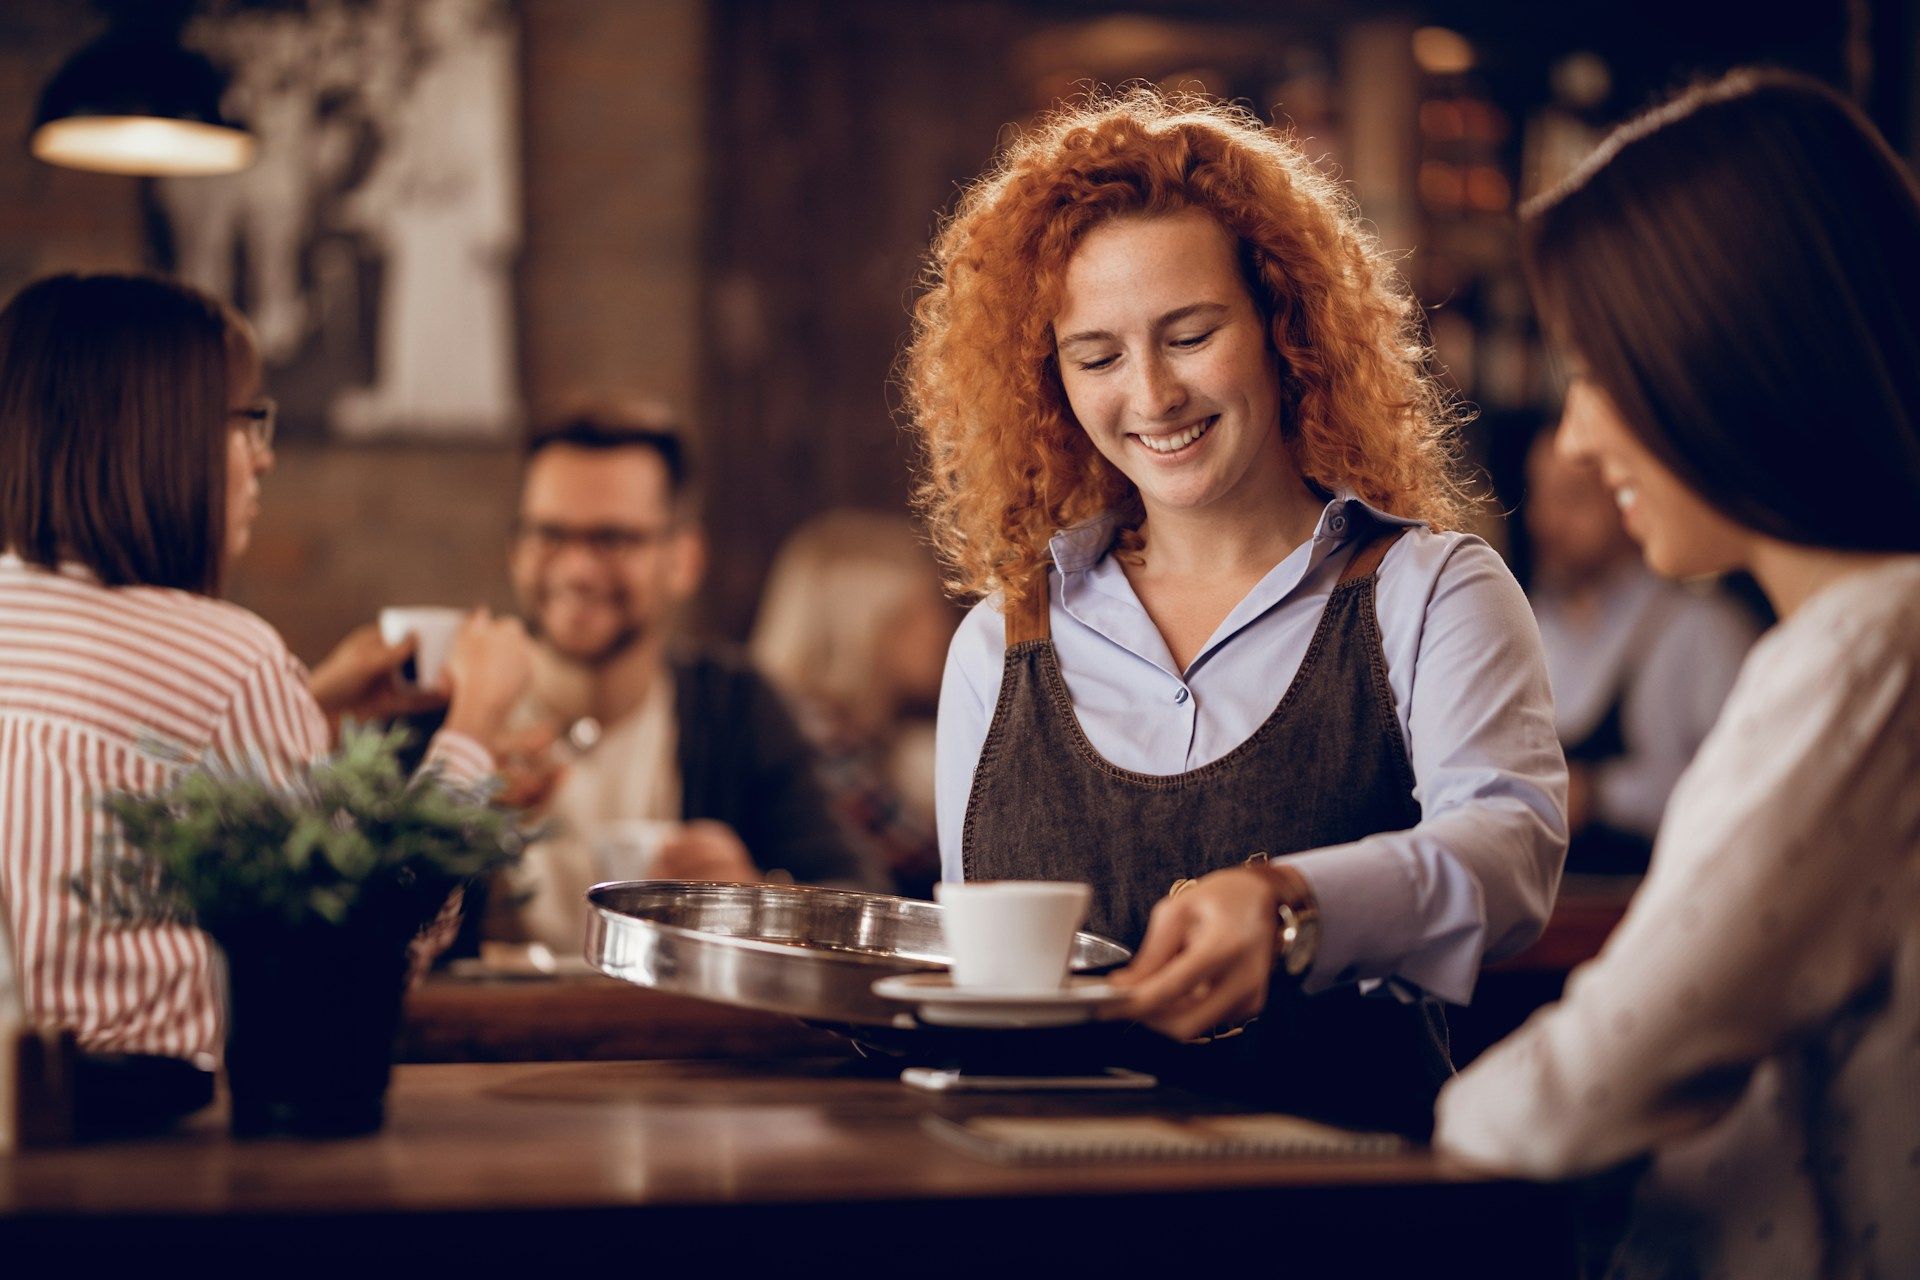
[138, 103]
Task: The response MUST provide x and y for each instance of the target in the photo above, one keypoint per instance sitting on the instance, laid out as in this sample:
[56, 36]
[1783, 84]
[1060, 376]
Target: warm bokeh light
[1581, 80]
[142, 145]
[1441, 51]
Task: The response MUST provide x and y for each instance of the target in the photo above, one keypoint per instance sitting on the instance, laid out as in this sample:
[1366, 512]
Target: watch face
[1299, 933]
[1299, 955]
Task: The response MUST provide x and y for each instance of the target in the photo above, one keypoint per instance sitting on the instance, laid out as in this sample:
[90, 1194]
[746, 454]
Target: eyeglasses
[608, 541]
[260, 417]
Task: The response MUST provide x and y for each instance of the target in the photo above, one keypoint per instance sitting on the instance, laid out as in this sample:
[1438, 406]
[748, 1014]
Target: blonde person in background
[853, 631]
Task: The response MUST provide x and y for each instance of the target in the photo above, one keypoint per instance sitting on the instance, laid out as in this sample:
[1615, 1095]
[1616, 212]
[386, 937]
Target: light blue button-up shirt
[1473, 881]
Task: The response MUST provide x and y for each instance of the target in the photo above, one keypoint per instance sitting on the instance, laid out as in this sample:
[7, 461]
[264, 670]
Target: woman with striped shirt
[132, 441]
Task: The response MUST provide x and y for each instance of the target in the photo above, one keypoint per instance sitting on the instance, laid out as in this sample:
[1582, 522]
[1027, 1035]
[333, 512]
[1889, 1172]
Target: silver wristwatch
[1299, 936]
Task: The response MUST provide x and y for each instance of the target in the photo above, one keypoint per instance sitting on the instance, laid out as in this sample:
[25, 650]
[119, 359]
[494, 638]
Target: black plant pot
[312, 1016]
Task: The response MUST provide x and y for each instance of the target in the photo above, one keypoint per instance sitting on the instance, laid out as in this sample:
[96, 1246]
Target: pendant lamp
[136, 102]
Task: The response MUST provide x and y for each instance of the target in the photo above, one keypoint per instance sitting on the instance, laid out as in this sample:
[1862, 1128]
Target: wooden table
[800, 1166]
[588, 1018]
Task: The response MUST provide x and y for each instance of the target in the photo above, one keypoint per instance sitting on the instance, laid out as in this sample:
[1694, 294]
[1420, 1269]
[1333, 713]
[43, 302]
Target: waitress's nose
[1158, 392]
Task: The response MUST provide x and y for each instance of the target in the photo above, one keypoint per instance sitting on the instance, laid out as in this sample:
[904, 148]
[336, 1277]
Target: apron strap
[1029, 619]
[1366, 561]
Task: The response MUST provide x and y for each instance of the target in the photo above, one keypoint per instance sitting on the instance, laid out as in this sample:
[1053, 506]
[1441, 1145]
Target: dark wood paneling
[838, 131]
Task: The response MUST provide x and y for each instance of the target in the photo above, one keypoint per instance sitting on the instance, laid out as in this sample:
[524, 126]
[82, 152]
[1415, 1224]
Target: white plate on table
[941, 1004]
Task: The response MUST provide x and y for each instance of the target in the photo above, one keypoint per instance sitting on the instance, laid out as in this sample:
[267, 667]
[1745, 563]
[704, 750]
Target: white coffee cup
[626, 848]
[1012, 935]
[435, 627]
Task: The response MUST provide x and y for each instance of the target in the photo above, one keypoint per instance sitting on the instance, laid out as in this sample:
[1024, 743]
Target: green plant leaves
[352, 841]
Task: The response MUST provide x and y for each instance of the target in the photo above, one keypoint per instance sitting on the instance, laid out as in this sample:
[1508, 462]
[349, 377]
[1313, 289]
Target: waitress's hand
[1208, 951]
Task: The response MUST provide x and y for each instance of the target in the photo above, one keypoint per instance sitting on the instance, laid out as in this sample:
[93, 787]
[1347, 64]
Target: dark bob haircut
[113, 428]
[1739, 270]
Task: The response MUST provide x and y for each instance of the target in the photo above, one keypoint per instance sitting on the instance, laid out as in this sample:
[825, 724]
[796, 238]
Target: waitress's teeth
[1179, 439]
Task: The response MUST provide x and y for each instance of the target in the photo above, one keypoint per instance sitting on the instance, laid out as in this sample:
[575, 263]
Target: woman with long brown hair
[133, 437]
[1732, 278]
[1180, 438]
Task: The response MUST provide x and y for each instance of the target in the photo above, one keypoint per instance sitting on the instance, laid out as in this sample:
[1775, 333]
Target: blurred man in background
[649, 758]
[1639, 666]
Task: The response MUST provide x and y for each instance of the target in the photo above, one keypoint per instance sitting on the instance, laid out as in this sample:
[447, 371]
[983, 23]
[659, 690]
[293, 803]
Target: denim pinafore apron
[1329, 766]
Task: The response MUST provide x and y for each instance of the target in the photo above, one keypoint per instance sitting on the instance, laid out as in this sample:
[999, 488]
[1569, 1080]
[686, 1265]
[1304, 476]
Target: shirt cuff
[463, 760]
[1376, 923]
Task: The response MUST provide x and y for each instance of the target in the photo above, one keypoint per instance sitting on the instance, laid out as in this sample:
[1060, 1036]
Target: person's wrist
[481, 722]
[1295, 913]
[329, 691]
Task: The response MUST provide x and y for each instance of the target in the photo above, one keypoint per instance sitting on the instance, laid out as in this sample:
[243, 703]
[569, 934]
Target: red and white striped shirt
[91, 679]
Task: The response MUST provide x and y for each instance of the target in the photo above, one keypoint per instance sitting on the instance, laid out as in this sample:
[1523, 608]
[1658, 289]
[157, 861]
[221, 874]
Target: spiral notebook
[1040, 1139]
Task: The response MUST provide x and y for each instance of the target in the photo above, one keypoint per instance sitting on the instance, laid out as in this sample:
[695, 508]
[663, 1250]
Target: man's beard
[627, 637]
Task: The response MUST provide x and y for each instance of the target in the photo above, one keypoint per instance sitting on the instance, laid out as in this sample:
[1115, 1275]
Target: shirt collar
[1346, 514]
[1079, 547]
[13, 561]
[1082, 546]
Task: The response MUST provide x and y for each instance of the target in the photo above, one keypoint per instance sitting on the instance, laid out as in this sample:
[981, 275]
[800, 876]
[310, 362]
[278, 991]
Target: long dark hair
[113, 428]
[1738, 270]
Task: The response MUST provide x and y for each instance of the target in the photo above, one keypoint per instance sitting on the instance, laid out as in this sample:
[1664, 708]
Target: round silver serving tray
[811, 952]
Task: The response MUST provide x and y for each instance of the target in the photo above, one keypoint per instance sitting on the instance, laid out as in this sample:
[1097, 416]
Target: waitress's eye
[1194, 340]
[1095, 364]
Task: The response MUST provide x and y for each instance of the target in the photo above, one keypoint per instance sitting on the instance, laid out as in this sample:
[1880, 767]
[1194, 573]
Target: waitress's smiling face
[1166, 363]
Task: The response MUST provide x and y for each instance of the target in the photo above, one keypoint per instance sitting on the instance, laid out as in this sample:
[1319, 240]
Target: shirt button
[1337, 524]
[1181, 697]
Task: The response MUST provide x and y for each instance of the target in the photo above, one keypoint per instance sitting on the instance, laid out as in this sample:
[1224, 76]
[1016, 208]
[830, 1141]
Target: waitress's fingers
[1235, 993]
[1167, 929]
[1204, 961]
[1226, 1004]
[1196, 963]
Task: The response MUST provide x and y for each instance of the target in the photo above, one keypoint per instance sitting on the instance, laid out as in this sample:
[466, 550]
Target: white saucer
[940, 1003]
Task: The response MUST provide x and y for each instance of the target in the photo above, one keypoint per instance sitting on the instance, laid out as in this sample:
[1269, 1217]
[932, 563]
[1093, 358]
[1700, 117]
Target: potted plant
[315, 892]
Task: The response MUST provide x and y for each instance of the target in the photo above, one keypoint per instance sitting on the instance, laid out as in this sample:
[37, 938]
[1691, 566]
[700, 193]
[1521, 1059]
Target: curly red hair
[1006, 466]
